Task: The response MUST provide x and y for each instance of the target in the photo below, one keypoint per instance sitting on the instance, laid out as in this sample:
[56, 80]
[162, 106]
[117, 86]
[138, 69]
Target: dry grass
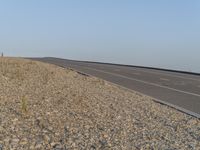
[24, 104]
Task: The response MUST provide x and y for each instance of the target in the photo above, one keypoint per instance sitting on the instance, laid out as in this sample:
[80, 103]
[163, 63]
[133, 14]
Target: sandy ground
[43, 106]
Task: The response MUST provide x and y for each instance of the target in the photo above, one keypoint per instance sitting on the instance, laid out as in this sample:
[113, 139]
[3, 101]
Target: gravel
[43, 106]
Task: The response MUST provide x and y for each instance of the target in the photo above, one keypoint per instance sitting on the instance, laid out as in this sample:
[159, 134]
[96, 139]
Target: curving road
[179, 90]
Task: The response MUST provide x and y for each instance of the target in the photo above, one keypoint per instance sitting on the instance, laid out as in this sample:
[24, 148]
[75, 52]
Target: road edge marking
[145, 82]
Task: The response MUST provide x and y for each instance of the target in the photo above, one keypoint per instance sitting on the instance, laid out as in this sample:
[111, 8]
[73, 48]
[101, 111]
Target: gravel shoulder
[43, 106]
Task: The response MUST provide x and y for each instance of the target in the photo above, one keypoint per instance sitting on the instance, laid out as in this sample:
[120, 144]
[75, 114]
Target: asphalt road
[179, 90]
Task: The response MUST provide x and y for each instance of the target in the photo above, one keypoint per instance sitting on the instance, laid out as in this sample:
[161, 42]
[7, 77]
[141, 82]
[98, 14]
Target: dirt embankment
[43, 106]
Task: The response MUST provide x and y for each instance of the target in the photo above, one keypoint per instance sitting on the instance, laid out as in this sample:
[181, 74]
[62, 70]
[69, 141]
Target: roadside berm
[43, 106]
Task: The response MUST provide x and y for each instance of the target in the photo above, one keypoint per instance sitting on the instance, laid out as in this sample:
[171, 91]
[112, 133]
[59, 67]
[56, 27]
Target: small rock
[57, 147]
[15, 120]
[38, 146]
[1, 130]
[105, 135]
[53, 144]
[1, 147]
[15, 141]
[46, 139]
[6, 141]
[24, 141]
[32, 147]
[92, 147]
[50, 128]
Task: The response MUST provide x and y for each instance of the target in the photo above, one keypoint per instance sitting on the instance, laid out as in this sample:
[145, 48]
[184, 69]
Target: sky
[156, 33]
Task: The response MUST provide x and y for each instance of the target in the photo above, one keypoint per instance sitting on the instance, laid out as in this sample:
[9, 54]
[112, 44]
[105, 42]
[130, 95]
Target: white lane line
[118, 70]
[145, 82]
[166, 74]
[135, 73]
[164, 79]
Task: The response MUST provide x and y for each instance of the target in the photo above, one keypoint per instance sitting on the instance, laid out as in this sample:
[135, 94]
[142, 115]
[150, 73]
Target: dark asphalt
[175, 89]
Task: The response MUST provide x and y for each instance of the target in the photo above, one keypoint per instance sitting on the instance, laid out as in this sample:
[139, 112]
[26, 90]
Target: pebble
[15, 141]
[24, 141]
[46, 139]
[1, 147]
[38, 146]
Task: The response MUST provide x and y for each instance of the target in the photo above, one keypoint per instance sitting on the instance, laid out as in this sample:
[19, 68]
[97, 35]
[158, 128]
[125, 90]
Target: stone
[15, 141]
[46, 139]
[1, 147]
[24, 141]
[38, 146]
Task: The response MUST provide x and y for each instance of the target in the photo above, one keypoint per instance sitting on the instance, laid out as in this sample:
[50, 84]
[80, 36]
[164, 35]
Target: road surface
[178, 90]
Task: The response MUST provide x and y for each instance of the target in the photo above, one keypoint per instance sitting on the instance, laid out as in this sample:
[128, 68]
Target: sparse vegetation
[3, 66]
[24, 104]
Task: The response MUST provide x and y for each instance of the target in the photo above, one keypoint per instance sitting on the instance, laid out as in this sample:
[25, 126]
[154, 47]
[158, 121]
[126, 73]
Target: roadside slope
[68, 110]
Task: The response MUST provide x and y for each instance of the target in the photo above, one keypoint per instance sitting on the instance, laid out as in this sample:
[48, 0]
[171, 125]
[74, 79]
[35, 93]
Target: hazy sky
[159, 33]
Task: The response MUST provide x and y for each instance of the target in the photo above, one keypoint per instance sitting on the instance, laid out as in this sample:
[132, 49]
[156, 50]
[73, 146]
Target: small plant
[4, 67]
[24, 104]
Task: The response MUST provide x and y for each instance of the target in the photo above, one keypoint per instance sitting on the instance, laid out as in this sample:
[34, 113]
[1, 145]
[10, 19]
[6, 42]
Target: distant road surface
[179, 90]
